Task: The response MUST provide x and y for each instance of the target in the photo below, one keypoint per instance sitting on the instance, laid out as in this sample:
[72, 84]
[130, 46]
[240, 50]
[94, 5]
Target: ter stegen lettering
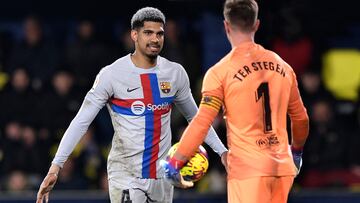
[258, 66]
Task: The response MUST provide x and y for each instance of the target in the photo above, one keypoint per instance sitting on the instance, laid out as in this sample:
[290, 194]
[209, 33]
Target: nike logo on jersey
[130, 90]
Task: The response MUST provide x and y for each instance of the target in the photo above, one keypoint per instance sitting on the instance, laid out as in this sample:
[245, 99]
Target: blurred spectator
[86, 55]
[34, 162]
[21, 150]
[312, 89]
[326, 146]
[17, 182]
[124, 44]
[18, 101]
[173, 47]
[183, 51]
[325, 149]
[11, 145]
[38, 56]
[60, 104]
[292, 45]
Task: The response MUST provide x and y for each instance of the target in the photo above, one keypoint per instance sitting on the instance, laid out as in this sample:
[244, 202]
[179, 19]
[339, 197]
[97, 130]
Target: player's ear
[134, 35]
[226, 27]
[257, 24]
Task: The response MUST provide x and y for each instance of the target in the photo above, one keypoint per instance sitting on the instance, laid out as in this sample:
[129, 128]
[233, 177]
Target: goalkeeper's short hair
[146, 14]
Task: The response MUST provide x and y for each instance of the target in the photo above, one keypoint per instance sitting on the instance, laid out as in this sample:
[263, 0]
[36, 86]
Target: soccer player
[256, 89]
[139, 90]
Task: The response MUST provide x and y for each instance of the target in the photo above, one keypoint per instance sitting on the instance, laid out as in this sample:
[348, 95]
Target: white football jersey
[139, 101]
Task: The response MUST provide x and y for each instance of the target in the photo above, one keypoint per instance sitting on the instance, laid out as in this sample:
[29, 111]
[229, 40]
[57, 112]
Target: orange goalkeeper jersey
[256, 89]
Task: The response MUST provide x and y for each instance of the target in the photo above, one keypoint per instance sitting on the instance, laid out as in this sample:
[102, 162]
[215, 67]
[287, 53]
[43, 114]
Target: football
[196, 167]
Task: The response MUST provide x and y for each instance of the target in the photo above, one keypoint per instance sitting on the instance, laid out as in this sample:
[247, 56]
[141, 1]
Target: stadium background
[42, 84]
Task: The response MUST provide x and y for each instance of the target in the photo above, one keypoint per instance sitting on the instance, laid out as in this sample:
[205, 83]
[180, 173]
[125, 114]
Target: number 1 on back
[263, 92]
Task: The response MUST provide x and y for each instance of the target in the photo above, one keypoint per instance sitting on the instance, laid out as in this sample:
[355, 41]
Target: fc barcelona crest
[165, 87]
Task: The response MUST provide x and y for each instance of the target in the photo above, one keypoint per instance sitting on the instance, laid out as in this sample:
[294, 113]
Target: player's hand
[47, 184]
[224, 160]
[172, 174]
[297, 157]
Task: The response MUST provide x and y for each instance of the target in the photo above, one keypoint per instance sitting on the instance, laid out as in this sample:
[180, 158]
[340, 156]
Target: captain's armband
[211, 102]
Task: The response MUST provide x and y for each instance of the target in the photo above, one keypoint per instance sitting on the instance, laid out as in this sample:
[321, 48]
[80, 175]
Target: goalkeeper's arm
[188, 109]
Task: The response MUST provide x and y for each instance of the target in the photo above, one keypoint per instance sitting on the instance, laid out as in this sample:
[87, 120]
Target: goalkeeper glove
[172, 173]
[297, 157]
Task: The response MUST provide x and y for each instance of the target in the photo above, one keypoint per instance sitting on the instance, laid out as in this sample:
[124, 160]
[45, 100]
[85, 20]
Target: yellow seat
[341, 73]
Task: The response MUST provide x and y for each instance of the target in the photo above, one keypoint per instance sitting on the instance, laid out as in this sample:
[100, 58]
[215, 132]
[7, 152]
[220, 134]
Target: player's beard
[152, 54]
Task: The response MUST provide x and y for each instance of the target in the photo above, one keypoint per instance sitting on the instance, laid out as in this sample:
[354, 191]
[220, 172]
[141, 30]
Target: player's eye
[160, 34]
[148, 33]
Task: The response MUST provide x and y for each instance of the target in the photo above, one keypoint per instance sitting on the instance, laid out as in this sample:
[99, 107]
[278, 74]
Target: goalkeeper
[256, 89]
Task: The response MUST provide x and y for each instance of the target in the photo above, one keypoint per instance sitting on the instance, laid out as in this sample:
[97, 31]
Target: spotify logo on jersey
[138, 107]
